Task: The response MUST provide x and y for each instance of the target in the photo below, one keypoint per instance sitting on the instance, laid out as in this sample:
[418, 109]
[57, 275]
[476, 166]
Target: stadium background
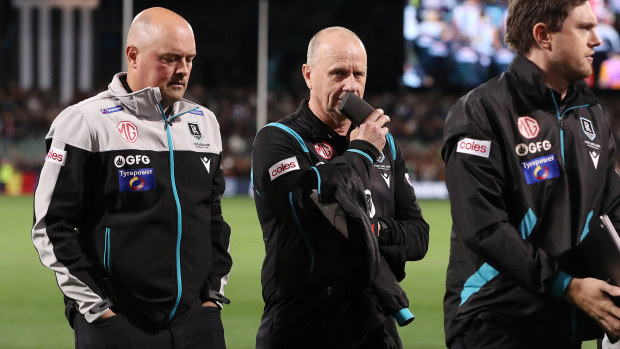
[224, 80]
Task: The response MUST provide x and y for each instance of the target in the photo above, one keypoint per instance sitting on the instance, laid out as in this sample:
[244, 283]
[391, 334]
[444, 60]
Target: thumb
[613, 291]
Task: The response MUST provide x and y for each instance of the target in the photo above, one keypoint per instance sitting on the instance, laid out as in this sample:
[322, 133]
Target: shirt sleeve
[408, 231]
[220, 239]
[60, 200]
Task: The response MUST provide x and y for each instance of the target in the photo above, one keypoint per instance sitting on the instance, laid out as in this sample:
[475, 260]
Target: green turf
[31, 310]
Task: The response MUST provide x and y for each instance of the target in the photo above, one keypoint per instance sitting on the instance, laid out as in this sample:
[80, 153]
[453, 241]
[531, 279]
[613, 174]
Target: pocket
[208, 309]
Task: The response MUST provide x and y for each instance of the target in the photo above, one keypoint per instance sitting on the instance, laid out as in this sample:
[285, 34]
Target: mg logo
[128, 131]
[528, 127]
[324, 150]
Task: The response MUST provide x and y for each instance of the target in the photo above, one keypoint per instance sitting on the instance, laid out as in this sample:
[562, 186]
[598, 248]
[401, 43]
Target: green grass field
[31, 309]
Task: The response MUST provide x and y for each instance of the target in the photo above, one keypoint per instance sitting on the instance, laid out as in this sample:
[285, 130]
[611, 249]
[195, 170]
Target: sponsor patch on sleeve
[197, 112]
[56, 156]
[141, 179]
[282, 167]
[540, 169]
[474, 147]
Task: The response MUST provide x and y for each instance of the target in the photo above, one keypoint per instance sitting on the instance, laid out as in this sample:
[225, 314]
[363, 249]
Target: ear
[131, 52]
[542, 36]
[306, 70]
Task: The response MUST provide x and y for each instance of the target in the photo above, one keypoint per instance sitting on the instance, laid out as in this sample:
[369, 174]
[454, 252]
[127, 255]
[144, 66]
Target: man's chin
[174, 97]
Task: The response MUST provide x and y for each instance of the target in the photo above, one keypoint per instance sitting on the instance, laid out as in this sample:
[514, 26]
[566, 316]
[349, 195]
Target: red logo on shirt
[528, 127]
[128, 131]
[324, 150]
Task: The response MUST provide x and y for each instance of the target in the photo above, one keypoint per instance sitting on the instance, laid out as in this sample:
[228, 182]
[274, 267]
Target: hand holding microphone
[368, 121]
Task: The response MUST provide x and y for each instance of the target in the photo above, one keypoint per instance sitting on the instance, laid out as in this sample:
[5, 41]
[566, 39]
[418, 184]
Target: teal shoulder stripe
[361, 153]
[292, 133]
[483, 275]
[586, 229]
[390, 141]
[527, 224]
[486, 272]
[318, 179]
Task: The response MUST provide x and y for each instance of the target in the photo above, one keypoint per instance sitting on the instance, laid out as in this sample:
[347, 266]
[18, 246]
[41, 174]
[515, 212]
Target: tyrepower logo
[474, 147]
[56, 156]
[111, 110]
[540, 169]
[141, 179]
[528, 127]
[128, 131]
[282, 167]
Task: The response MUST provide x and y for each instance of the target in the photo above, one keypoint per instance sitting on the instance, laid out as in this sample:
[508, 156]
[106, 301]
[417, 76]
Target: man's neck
[336, 122]
[552, 78]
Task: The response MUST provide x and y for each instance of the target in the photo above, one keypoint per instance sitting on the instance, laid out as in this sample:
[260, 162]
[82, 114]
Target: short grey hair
[315, 42]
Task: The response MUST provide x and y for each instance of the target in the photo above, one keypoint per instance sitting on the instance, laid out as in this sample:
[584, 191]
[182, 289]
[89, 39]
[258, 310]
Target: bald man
[127, 209]
[333, 199]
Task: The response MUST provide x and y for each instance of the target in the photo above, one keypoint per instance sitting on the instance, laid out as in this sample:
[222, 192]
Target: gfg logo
[523, 149]
[121, 161]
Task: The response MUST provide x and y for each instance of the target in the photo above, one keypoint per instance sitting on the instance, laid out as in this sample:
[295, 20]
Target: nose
[596, 40]
[183, 67]
[351, 84]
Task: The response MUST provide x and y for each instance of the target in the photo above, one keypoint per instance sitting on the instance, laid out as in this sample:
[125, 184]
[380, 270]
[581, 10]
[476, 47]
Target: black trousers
[487, 335]
[200, 327]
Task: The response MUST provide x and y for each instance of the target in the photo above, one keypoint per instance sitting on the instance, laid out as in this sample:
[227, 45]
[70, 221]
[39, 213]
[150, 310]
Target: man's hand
[594, 297]
[372, 129]
[209, 304]
[106, 315]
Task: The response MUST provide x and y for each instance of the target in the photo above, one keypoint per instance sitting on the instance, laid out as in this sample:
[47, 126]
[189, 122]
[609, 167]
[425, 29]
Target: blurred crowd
[417, 119]
[459, 43]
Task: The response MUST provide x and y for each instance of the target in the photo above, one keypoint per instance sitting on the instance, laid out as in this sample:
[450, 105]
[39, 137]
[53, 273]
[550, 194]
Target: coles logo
[324, 150]
[528, 127]
[56, 156]
[282, 167]
[128, 131]
[474, 147]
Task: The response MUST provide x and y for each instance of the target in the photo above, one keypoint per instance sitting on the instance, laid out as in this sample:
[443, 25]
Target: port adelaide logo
[194, 130]
[588, 128]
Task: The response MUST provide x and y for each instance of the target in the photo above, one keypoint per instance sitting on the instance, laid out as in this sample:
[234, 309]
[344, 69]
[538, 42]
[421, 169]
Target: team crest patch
[588, 128]
[111, 110]
[194, 130]
[142, 179]
[197, 112]
[324, 150]
[528, 127]
[540, 169]
[128, 131]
